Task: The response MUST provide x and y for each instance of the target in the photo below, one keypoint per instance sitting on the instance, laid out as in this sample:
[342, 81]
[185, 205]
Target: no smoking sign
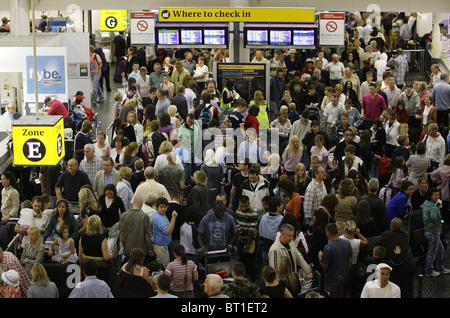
[142, 26]
[331, 26]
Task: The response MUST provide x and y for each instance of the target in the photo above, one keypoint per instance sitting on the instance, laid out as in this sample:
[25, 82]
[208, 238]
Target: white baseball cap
[383, 265]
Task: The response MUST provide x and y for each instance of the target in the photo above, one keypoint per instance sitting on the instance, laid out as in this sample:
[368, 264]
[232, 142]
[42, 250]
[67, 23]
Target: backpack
[313, 113]
[94, 63]
[385, 166]
[99, 51]
[386, 194]
[154, 141]
[205, 115]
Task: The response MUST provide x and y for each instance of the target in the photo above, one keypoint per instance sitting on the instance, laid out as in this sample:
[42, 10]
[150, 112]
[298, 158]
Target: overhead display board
[332, 28]
[290, 15]
[275, 36]
[38, 141]
[186, 35]
[113, 20]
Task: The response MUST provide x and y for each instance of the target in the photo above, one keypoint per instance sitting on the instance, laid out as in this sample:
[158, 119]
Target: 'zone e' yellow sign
[113, 20]
[38, 141]
[292, 15]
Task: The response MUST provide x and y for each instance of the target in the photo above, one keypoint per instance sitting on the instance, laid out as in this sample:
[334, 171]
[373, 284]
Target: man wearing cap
[55, 108]
[309, 67]
[293, 62]
[277, 63]
[381, 287]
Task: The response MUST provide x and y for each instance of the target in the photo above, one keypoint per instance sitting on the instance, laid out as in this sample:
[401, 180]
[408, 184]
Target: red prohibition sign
[142, 25]
[331, 26]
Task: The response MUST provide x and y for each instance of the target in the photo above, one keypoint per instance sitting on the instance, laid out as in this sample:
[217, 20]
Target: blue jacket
[397, 207]
[277, 89]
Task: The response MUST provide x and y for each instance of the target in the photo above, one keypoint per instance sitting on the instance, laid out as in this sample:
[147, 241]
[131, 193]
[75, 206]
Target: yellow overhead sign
[113, 20]
[38, 142]
[292, 15]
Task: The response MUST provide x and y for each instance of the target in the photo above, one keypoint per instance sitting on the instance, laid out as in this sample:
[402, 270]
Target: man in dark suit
[181, 102]
[140, 53]
[377, 207]
[120, 46]
[176, 204]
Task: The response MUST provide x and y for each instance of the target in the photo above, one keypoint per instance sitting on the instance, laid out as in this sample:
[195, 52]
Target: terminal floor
[433, 287]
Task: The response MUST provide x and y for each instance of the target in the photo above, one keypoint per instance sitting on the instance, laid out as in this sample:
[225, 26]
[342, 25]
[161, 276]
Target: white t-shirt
[372, 289]
[199, 70]
[143, 85]
[336, 70]
[355, 243]
[26, 217]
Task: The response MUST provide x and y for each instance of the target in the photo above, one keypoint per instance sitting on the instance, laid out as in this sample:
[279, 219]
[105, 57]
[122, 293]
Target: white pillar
[20, 17]
[437, 43]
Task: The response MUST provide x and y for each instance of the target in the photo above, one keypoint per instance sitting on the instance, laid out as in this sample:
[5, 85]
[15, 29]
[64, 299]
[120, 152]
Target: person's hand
[151, 253]
[204, 250]
[397, 250]
[320, 255]
[229, 248]
[174, 214]
[50, 252]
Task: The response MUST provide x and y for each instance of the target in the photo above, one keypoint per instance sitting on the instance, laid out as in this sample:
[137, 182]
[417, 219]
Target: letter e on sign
[34, 150]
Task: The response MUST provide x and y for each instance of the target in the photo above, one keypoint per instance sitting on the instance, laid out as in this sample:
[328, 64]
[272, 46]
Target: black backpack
[105, 65]
[153, 144]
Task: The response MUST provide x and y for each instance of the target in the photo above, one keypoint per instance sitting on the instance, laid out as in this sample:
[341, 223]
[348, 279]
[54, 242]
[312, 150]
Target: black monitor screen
[168, 37]
[280, 37]
[257, 37]
[214, 37]
[304, 37]
[191, 37]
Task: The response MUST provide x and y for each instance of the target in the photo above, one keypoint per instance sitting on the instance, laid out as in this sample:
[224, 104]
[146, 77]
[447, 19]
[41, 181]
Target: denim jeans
[98, 92]
[435, 254]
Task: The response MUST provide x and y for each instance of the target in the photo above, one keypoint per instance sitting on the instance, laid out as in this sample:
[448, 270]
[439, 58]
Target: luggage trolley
[219, 262]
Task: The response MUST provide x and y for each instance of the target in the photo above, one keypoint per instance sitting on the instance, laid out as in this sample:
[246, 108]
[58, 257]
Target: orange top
[294, 205]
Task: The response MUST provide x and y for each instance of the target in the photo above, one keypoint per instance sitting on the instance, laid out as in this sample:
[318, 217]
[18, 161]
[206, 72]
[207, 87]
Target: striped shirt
[314, 194]
[91, 168]
[246, 223]
[179, 272]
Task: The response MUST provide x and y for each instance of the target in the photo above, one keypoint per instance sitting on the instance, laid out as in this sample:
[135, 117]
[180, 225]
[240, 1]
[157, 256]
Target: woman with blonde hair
[175, 118]
[350, 231]
[130, 105]
[41, 286]
[34, 250]
[301, 178]
[138, 128]
[199, 195]
[88, 205]
[292, 155]
[287, 275]
[161, 161]
[423, 93]
[124, 190]
[93, 246]
[130, 155]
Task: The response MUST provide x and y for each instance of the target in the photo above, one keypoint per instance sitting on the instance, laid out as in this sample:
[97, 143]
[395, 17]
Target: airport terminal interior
[236, 150]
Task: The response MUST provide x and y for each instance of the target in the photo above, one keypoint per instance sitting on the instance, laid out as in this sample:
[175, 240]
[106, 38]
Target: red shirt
[403, 116]
[251, 122]
[57, 108]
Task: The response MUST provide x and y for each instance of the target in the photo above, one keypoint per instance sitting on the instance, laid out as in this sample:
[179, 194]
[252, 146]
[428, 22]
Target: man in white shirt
[330, 115]
[435, 149]
[336, 70]
[381, 287]
[189, 94]
[435, 76]
[259, 57]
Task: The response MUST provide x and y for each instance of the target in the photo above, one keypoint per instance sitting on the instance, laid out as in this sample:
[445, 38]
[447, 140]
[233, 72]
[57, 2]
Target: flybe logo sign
[51, 75]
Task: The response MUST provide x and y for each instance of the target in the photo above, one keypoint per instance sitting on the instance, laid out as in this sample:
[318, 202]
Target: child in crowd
[66, 247]
[293, 114]
[9, 285]
[26, 219]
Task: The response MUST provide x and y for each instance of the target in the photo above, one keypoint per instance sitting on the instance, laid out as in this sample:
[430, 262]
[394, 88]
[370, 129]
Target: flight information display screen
[191, 37]
[280, 37]
[257, 37]
[304, 37]
[214, 37]
[168, 37]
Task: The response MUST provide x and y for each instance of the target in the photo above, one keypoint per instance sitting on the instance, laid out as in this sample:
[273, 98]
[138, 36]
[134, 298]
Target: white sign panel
[331, 28]
[142, 25]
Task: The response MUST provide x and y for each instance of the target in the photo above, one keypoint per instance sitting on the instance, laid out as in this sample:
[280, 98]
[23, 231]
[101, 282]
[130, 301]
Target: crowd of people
[319, 181]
